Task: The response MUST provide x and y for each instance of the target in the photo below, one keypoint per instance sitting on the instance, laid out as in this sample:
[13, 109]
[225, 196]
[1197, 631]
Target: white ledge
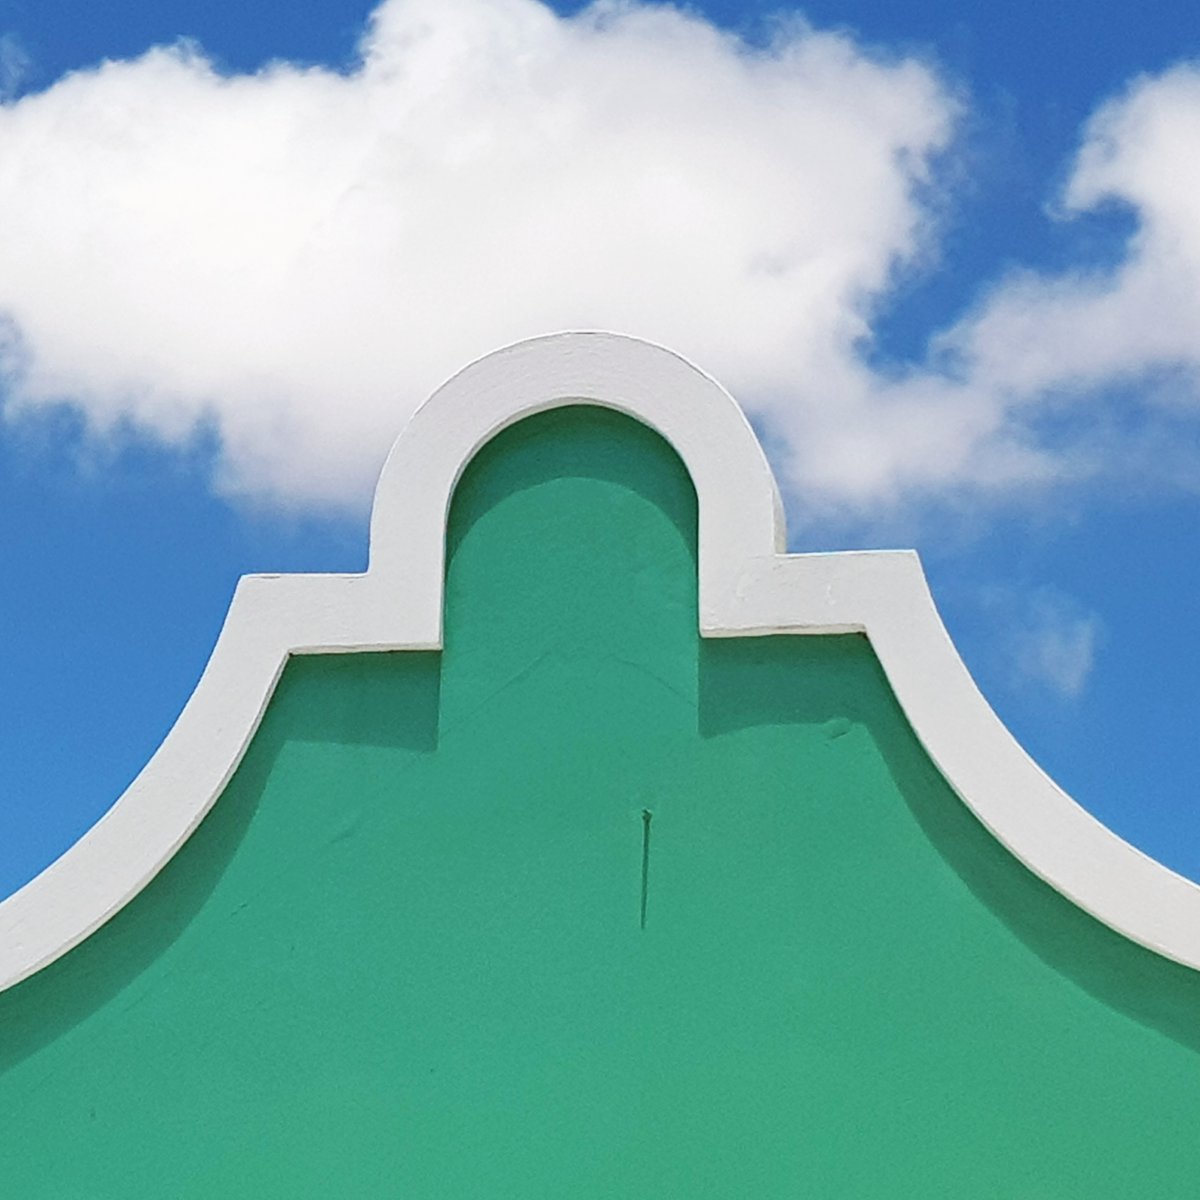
[748, 586]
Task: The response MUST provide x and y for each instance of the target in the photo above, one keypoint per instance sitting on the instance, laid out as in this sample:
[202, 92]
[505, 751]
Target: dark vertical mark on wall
[647, 816]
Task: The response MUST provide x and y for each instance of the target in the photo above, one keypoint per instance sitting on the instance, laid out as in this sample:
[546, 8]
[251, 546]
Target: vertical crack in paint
[647, 816]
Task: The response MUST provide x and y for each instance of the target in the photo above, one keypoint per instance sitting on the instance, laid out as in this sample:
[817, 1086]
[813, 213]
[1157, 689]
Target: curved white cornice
[748, 586]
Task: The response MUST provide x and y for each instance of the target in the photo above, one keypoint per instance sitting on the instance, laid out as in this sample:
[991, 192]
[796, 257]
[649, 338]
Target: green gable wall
[403, 956]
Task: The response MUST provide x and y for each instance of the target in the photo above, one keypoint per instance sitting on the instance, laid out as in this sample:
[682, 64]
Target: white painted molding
[748, 586]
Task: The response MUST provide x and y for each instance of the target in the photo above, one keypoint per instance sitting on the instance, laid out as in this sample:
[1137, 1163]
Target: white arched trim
[748, 586]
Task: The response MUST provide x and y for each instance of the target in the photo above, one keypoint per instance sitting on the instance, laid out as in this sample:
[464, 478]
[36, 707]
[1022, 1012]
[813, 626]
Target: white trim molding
[748, 586]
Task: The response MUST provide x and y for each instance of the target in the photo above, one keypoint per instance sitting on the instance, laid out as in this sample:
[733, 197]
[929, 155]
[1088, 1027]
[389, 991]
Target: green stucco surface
[403, 956]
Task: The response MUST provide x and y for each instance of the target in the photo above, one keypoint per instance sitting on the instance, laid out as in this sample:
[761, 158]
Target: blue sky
[944, 254]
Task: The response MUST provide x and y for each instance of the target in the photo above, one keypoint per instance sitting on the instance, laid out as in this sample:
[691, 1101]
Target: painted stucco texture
[403, 955]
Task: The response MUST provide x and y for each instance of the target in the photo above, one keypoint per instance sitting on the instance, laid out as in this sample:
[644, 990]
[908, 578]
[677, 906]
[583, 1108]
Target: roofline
[748, 585]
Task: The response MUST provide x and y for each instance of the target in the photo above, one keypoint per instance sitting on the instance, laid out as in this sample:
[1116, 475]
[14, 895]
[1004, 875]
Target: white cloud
[1052, 378]
[1142, 149]
[1047, 638]
[1110, 358]
[297, 257]
[14, 65]
[1059, 652]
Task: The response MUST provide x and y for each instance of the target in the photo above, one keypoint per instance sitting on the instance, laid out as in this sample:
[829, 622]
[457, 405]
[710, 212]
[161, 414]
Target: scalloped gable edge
[748, 586]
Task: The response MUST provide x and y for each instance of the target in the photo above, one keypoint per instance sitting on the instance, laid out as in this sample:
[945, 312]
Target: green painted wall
[402, 957]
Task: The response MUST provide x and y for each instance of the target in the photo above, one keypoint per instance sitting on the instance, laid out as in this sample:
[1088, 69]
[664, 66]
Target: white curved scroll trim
[748, 586]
